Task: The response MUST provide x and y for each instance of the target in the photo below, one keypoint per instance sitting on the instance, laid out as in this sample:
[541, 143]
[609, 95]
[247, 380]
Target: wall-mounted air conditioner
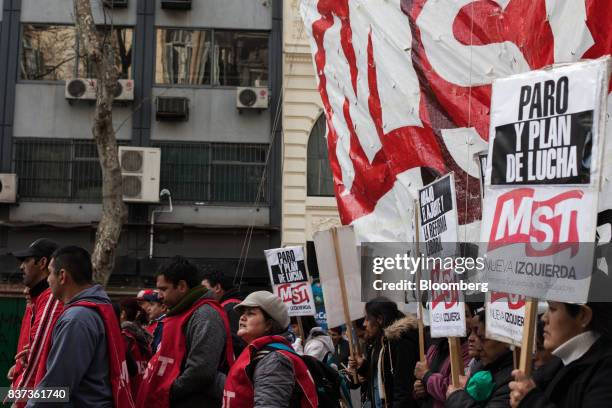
[8, 188]
[140, 173]
[85, 89]
[171, 108]
[252, 98]
[176, 4]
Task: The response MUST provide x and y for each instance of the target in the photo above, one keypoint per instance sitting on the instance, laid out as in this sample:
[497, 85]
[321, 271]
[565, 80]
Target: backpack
[326, 378]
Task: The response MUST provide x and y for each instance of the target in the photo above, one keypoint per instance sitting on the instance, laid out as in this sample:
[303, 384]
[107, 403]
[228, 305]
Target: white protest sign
[328, 273]
[438, 221]
[542, 179]
[505, 317]
[289, 279]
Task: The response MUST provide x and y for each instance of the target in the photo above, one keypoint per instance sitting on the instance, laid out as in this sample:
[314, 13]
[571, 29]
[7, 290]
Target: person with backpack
[268, 372]
[394, 352]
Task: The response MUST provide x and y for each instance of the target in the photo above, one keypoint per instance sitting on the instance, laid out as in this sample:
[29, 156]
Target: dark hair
[482, 317]
[384, 309]
[359, 323]
[337, 330]
[74, 260]
[180, 269]
[131, 309]
[540, 333]
[275, 327]
[218, 278]
[308, 322]
[601, 323]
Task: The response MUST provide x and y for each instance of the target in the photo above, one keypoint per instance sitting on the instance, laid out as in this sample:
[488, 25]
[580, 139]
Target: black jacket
[400, 353]
[585, 383]
[501, 370]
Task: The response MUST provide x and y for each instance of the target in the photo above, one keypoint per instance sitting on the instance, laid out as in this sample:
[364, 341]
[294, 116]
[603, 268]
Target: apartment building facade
[201, 82]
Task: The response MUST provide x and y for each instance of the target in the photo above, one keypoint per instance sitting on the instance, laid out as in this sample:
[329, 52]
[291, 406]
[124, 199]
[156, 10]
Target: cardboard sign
[446, 309]
[505, 317]
[289, 280]
[542, 182]
[330, 277]
[438, 215]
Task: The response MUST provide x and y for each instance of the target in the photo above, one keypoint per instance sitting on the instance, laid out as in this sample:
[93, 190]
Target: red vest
[166, 364]
[117, 366]
[141, 358]
[239, 391]
[24, 340]
[230, 301]
[44, 312]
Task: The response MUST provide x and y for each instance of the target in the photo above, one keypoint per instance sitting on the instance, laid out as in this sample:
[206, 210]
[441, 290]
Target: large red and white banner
[406, 87]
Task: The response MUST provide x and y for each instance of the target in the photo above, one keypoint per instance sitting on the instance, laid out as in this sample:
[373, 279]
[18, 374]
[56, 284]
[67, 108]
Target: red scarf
[239, 391]
[117, 366]
[166, 364]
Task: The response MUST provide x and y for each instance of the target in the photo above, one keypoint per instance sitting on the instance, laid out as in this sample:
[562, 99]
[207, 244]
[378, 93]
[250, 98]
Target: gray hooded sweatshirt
[78, 357]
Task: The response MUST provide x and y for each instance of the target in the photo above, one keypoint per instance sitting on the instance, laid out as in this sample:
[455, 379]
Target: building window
[214, 172]
[183, 57]
[52, 52]
[206, 57]
[241, 58]
[57, 170]
[320, 181]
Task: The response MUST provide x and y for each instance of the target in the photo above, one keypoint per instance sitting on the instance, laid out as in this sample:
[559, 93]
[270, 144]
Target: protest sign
[289, 279]
[505, 317]
[327, 257]
[438, 215]
[446, 310]
[542, 180]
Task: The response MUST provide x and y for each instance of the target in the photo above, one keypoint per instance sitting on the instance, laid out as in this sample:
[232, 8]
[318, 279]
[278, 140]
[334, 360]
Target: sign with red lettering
[289, 279]
[446, 306]
[543, 179]
[505, 317]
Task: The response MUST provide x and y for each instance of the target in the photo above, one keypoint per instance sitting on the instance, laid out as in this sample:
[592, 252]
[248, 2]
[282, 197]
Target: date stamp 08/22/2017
[49, 394]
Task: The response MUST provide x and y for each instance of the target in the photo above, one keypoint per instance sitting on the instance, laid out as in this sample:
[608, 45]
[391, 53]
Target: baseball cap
[268, 302]
[148, 295]
[40, 248]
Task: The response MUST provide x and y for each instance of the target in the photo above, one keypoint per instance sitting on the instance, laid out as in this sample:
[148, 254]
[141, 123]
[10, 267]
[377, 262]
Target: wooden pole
[516, 355]
[345, 307]
[456, 360]
[301, 329]
[420, 324]
[531, 311]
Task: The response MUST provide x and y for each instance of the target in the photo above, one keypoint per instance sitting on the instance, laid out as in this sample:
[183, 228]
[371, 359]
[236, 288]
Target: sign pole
[420, 324]
[347, 315]
[456, 360]
[301, 329]
[531, 310]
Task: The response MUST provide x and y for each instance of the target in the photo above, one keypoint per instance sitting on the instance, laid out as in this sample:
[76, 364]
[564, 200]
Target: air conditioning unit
[252, 98]
[85, 89]
[140, 173]
[115, 3]
[8, 188]
[171, 108]
[176, 4]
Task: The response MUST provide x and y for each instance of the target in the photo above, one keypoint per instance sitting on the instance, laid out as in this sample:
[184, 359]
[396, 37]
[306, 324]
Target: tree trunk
[100, 53]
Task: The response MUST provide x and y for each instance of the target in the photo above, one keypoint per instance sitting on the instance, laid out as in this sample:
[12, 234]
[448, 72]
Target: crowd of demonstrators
[229, 296]
[173, 346]
[188, 370]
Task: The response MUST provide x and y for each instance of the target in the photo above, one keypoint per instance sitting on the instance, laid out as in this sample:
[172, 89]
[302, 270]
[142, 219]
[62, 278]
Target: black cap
[40, 248]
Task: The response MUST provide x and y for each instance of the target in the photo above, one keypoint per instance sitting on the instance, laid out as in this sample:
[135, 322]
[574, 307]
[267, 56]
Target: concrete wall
[302, 215]
[41, 110]
[212, 117]
[62, 11]
[243, 14]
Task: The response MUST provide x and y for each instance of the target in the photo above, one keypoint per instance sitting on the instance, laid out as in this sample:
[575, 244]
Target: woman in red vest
[268, 372]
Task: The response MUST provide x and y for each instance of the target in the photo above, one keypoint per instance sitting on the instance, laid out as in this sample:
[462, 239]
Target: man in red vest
[229, 296]
[86, 353]
[195, 353]
[41, 314]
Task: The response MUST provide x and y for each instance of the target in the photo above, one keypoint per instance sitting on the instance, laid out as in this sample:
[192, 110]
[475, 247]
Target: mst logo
[546, 227]
[515, 302]
[449, 297]
[294, 293]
